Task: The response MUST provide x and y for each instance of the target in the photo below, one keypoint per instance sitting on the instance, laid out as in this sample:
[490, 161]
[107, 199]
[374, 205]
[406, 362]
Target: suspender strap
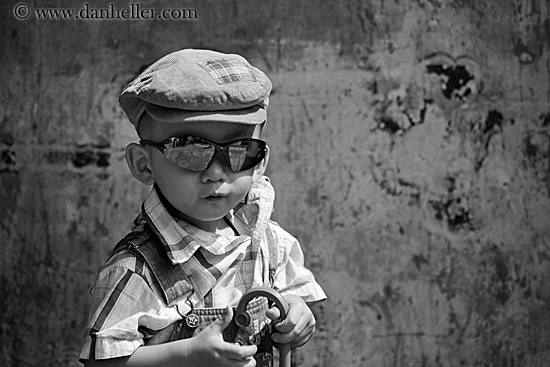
[172, 279]
[132, 239]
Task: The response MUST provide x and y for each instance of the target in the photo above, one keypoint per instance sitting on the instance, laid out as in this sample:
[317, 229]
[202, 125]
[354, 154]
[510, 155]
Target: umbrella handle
[242, 317]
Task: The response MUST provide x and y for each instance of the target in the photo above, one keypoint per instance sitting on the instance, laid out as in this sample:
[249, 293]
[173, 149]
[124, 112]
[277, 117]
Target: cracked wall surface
[410, 151]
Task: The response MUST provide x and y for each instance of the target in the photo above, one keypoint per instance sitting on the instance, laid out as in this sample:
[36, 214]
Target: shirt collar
[182, 239]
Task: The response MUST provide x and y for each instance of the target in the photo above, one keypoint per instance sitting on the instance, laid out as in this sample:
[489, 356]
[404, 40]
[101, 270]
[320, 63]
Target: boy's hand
[298, 326]
[209, 349]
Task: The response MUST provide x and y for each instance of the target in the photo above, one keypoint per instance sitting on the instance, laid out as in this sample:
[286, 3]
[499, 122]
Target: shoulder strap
[172, 279]
[132, 239]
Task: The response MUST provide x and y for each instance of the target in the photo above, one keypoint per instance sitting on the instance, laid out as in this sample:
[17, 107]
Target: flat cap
[198, 85]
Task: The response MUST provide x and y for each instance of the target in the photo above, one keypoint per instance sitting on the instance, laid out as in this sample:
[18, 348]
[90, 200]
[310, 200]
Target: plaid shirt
[128, 307]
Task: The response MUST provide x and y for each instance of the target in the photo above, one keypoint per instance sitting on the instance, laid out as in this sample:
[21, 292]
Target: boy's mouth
[215, 197]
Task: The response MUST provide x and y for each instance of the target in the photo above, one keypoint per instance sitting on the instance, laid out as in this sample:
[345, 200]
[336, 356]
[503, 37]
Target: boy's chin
[206, 222]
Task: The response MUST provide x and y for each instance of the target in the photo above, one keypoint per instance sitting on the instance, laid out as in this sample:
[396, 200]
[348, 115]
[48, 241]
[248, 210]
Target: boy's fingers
[223, 321]
[233, 352]
[248, 362]
[295, 338]
[239, 353]
[296, 332]
[293, 321]
[273, 313]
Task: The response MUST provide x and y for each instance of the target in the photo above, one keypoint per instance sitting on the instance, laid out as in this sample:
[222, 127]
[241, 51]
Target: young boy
[204, 236]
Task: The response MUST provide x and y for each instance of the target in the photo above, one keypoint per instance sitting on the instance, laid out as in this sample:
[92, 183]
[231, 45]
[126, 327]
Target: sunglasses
[195, 153]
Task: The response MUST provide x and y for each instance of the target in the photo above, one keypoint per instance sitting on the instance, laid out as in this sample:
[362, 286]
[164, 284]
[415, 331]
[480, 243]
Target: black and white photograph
[277, 183]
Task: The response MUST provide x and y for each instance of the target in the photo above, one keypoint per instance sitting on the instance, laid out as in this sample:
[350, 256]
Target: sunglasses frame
[218, 149]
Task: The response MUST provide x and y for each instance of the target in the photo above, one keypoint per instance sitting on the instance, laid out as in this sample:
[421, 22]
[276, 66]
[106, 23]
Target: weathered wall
[410, 148]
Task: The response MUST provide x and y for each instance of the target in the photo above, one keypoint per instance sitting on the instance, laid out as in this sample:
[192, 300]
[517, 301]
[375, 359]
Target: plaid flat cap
[198, 85]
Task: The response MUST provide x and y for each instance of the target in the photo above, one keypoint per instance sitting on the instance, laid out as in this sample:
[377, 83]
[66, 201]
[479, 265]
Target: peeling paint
[454, 212]
[522, 52]
[79, 158]
[7, 160]
[454, 80]
[10, 182]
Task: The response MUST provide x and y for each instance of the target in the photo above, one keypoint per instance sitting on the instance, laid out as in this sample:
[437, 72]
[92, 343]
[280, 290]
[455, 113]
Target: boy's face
[202, 198]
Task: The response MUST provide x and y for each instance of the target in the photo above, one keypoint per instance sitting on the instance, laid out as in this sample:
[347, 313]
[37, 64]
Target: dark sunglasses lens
[245, 154]
[193, 155]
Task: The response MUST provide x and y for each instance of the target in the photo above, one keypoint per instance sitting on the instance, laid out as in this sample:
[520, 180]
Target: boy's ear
[137, 158]
[259, 170]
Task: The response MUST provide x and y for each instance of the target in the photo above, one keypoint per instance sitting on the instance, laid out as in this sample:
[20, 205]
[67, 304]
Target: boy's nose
[217, 170]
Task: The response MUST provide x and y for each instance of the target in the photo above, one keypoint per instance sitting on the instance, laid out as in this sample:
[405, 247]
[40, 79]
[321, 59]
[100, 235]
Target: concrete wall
[410, 149]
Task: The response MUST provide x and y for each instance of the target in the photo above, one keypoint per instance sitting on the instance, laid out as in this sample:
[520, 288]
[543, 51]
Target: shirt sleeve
[291, 275]
[125, 311]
